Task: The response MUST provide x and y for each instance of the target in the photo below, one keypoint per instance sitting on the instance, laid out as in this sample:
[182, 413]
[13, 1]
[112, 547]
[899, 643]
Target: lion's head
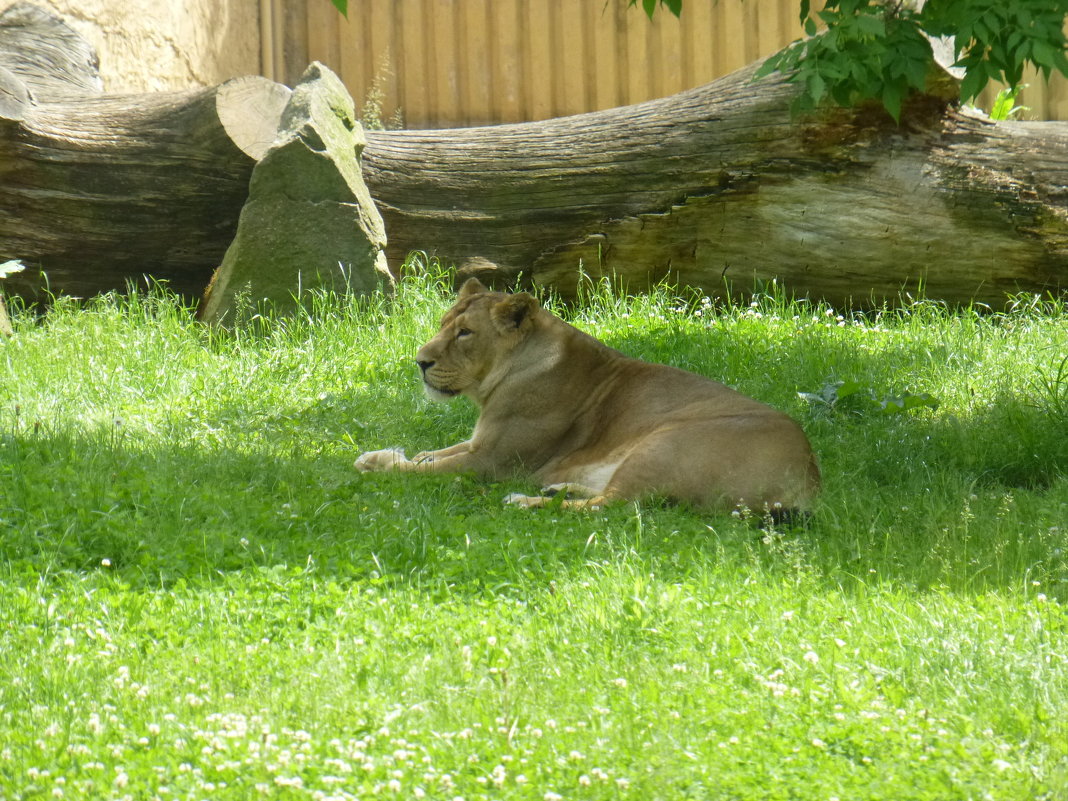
[477, 335]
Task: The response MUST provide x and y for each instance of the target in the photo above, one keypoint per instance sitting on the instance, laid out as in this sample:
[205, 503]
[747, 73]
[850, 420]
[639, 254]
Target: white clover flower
[811, 657]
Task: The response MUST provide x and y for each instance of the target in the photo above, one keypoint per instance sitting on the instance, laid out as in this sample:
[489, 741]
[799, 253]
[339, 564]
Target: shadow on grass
[971, 504]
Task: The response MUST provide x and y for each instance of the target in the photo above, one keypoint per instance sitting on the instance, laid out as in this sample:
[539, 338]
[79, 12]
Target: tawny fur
[568, 411]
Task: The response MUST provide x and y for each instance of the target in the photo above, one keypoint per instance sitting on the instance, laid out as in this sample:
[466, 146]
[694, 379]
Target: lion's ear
[472, 286]
[510, 313]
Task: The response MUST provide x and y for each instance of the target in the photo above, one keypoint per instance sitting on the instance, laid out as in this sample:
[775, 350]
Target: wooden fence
[446, 63]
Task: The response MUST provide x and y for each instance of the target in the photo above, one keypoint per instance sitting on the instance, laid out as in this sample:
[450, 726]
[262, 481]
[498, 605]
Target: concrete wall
[159, 45]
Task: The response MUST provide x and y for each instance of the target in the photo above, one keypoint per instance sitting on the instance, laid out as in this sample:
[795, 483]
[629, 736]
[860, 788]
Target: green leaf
[810, 26]
[342, 6]
[872, 26]
[786, 60]
[650, 7]
[906, 402]
[830, 19]
[974, 80]
[916, 73]
[674, 6]
[892, 97]
[844, 389]
[817, 87]
[805, 8]
[1042, 53]
[770, 65]
[1005, 107]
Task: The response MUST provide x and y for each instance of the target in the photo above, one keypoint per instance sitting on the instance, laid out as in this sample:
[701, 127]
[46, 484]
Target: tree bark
[106, 190]
[100, 190]
[42, 59]
[720, 186]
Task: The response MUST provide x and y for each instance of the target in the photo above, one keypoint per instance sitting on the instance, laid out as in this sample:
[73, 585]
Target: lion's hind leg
[576, 496]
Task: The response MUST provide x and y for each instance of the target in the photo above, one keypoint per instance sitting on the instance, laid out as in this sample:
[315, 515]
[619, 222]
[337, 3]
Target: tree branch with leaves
[881, 49]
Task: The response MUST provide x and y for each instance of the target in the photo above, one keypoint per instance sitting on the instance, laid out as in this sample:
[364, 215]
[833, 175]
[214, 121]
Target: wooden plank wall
[447, 63]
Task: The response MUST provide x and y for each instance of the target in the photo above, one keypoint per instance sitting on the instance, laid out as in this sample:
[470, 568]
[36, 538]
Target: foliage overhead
[879, 49]
[649, 6]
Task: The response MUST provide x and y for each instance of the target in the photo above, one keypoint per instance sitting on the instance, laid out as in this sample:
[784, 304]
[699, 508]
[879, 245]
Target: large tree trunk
[721, 185]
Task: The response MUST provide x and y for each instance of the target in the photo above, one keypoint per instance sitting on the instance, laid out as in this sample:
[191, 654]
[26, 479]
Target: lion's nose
[424, 364]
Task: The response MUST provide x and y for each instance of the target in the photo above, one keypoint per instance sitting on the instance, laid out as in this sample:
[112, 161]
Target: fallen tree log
[720, 184]
[100, 191]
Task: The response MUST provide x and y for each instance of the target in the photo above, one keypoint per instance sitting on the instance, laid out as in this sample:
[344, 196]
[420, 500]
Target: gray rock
[309, 221]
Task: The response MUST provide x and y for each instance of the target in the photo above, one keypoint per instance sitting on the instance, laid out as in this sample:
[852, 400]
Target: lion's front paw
[388, 459]
[524, 501]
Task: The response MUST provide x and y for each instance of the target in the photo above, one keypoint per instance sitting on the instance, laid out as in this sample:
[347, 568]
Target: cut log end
[250, 110]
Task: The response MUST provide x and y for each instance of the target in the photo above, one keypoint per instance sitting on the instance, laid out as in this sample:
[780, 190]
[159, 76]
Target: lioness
[579, 416]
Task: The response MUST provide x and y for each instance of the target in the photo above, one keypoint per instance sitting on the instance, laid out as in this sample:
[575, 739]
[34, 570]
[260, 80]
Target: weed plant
[200, 599]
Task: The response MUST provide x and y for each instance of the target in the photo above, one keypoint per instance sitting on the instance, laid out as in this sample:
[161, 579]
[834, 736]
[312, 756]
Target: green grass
[199, 598]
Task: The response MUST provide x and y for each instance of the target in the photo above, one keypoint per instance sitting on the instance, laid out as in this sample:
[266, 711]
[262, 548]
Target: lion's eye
[463, 332]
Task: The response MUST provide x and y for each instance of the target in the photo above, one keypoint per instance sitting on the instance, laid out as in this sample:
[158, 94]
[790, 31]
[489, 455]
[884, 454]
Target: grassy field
[200, 599]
